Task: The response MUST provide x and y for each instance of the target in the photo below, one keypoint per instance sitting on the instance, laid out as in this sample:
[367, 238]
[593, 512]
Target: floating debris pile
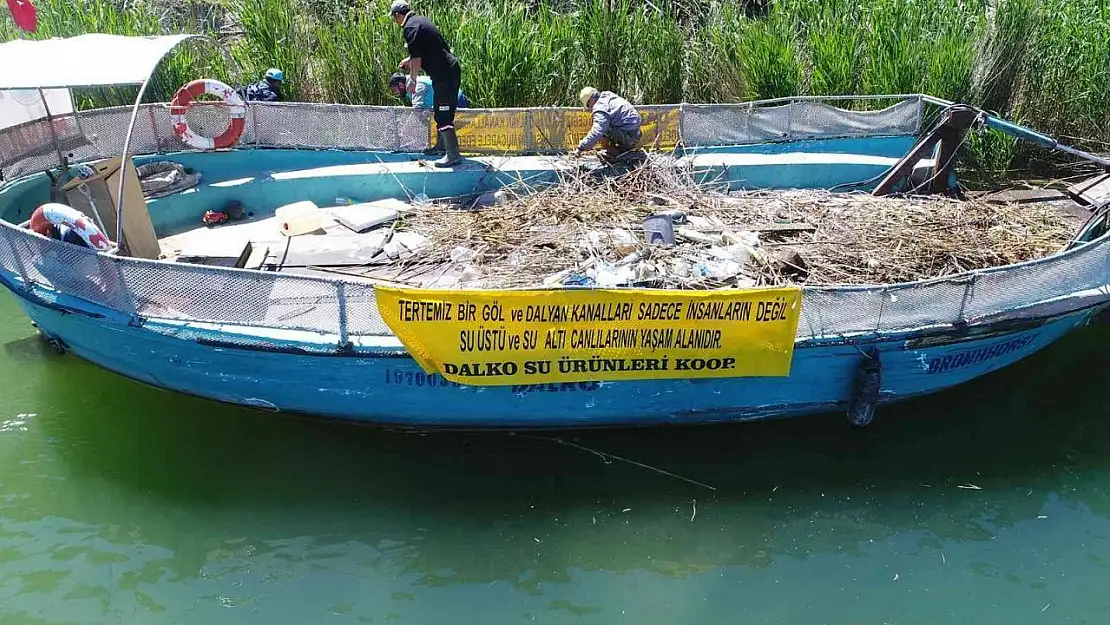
[590, 230]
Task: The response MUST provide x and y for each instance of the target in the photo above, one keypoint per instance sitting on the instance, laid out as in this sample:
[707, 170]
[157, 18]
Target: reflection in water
[122, 503]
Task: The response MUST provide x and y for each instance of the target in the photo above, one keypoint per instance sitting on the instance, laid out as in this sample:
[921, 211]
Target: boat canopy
[92, 60]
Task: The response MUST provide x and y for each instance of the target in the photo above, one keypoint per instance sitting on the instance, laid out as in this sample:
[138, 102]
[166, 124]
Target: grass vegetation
[1045, 63]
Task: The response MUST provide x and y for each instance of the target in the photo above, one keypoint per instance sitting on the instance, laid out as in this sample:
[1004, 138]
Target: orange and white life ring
[180, 105]
[62, 215]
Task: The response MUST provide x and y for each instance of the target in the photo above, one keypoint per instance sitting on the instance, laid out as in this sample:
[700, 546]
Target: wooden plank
[1093, 192]
[785, 228]
[237, 261]
[1018, 196]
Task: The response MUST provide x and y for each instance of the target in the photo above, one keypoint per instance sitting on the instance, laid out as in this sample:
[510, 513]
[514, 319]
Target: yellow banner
[491, 131]
[660, 128]
[495, 338]
[508, 131]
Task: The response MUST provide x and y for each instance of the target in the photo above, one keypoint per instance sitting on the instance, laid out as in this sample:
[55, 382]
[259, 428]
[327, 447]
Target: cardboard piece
[139, 239]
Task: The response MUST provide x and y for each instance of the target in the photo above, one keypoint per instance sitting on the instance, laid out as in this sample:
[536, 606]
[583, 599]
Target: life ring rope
[180, 105]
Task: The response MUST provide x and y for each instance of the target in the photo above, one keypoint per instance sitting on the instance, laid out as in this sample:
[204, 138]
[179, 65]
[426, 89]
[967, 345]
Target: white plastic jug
[299, 218]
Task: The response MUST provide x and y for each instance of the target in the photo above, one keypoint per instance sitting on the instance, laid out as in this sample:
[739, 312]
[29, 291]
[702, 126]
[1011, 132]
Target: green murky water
[124, 504]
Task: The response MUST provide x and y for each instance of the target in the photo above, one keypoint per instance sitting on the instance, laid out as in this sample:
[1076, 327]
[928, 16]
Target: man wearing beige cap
[428, 51]
[616, 123]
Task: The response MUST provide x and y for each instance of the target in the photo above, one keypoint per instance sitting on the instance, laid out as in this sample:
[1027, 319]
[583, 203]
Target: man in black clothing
[430, 52]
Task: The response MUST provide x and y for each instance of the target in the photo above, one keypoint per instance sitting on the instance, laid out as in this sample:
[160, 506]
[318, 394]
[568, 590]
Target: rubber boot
[438, 147]
[451, 142]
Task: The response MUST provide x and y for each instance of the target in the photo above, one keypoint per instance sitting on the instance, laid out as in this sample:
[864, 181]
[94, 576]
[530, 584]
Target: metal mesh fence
[100, 133]
[342, 309]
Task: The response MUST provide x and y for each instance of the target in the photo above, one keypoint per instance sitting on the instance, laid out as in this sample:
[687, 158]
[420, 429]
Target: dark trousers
[446, 97]
[625, 139]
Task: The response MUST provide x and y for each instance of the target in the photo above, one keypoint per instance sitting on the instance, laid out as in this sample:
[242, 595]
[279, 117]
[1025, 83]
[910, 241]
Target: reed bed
[1041, 62]
[588, 229]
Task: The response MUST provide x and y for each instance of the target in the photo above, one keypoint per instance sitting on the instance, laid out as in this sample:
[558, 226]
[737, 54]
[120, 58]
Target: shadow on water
[484, 507]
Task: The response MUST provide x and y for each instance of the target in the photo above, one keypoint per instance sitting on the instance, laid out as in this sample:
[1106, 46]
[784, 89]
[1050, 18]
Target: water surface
[121, 503]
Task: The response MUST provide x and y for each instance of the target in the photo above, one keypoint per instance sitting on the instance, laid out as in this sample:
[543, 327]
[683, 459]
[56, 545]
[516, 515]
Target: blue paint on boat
[384, 385]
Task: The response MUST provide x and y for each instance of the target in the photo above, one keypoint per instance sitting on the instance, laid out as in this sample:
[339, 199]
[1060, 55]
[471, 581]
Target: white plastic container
[299, 218]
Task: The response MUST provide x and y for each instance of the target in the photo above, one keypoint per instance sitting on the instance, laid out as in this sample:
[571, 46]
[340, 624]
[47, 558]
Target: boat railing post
[920, 114]
[884, 295]
[681, 136]
[18, 260]
[790, 119]
[154, 129]
[341, 298]
[127, 302]
[62, 161]
[529, 144]
[969, 292]
[748, 122]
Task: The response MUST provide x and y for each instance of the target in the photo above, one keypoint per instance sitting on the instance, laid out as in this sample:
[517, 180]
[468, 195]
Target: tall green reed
[1042, 62]
[276, 34]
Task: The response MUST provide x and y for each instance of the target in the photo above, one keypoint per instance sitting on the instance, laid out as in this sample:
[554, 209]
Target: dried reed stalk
[856, 238]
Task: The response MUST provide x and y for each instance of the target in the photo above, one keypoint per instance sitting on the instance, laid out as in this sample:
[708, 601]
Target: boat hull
[389, 388]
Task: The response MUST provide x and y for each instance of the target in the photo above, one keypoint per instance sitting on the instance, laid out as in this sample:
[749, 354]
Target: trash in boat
[233, 211]
[659, 230]
[491, 198]
[363, 217]
[162, 178]
[582, 232]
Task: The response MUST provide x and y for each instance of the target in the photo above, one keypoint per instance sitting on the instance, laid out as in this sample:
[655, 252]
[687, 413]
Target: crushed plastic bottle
[463, 255]
[606, 275]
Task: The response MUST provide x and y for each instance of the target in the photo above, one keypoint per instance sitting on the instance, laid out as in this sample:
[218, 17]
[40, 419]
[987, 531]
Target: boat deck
[257, 243]
[329, 251]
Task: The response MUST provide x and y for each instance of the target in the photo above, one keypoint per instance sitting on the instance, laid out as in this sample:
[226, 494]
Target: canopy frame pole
[120, 247]
[63, 162]
[123, 165]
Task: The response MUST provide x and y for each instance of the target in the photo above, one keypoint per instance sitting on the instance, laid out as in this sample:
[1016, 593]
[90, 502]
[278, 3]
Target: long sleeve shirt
[610, 111]
[260, 92]
[424, 97]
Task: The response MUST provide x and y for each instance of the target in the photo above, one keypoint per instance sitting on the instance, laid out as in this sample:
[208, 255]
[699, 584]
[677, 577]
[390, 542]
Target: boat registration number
[398, 377]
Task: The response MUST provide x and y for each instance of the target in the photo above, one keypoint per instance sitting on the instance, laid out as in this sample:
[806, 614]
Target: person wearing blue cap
[266, 90]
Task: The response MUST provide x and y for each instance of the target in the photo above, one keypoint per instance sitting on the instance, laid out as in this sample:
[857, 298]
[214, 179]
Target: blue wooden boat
[318, 345]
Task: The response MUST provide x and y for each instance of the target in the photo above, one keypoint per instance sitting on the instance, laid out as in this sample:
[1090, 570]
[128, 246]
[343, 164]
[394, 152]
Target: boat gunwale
[330, 344]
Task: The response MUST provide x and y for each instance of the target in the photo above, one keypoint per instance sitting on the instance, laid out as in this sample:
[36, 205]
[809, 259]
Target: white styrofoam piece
[412, 241]
[397, 205]
[360, 217]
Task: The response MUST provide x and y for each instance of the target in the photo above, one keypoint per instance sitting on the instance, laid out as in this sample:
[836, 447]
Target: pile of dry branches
[589, 230]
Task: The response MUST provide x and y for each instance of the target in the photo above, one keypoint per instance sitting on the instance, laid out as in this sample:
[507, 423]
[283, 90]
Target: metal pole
[53, 134]
[49, 117]
[123, 165]
[341, 299]
[1032, 136]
